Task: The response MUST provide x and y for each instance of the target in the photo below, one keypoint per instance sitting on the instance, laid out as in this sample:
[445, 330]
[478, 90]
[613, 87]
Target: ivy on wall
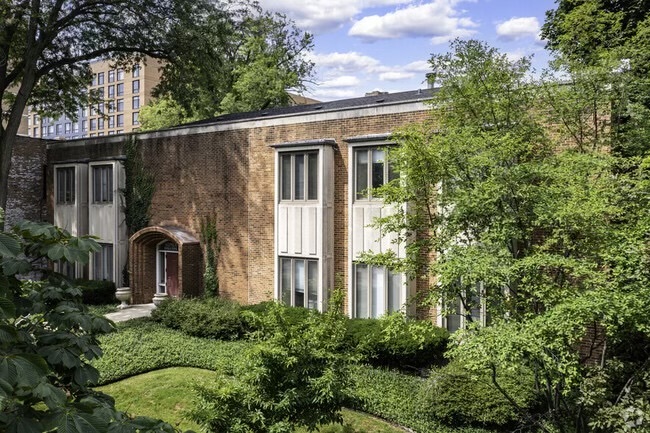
[137, 193]
[210, 241]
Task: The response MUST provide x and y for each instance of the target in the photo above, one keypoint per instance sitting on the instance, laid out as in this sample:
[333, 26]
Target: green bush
[295, 316]
[455, 396]
[394, 341]
[97, 292]
[394, 396]
[141, 345]
[214, 318]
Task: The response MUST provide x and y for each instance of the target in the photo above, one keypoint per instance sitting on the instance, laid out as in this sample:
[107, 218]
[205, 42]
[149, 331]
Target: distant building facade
[124, 92]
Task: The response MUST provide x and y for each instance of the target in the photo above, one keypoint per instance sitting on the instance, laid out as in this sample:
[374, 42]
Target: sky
[365, 45]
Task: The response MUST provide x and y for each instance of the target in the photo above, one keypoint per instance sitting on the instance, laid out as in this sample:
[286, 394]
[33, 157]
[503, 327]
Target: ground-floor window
[466, 310]
[299, 282]
[377, 291]
[103, 263]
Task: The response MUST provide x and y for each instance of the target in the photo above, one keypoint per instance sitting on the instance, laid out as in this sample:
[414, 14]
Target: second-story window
[299, 176]
[371, 171]
[103, 184]
[65, 185]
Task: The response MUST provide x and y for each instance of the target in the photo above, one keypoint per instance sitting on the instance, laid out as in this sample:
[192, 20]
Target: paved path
[131, 312]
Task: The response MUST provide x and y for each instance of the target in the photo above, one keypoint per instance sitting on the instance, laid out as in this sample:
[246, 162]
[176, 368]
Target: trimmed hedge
[141, 345]
[395, 342]
[457, 397]
[96, 292]
[214, 318]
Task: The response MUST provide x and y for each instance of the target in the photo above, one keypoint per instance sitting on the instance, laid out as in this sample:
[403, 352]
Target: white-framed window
[299, 282]
[65, 185]
[467, 309]
[299, 176]
[163, 269]
[377, 291]
[371, 171]
[103, 183]
[103, 263]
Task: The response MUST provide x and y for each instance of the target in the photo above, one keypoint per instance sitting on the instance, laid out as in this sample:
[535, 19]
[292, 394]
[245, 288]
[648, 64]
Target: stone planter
[123, 294]
[158, 298]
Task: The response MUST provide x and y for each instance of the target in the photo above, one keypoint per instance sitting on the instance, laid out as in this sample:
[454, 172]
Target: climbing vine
[137, 193]
[210, 241]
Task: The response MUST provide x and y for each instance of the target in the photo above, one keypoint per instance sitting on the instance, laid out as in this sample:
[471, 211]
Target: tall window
[120, 119]
[134, 118]
[111, 121]
[100, 78]
[135, 86]
[111, 91]
[299, 176]
[377, 291]
[103, 184]
[120, 74]
[135, 103]
[299, 282]
[136, 71]
[84, 125]
[103, 263]
[93, 124]
[371, 171]
[111, 76]
[470, 309]
[65, 185]
[120, 89]
[120, 105]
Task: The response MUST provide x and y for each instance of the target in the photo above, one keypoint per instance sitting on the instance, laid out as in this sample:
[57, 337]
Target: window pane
[161, 272]
[377, 168]
[299, 177]
[362, 173]
[312, 284]
[285, 177]
[394, 291]
[97, 187]
[378, 300]
[299, 283]
[361, 287]
[312, 173]
[453, 320]
[286, 281]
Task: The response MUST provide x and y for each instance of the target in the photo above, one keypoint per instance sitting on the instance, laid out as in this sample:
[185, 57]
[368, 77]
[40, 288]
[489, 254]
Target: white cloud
[341, 81]
[421, 66]
[322, 15]
[438, 19]
[332, 94]
[344, 62]
[395, 76]
[518, 28]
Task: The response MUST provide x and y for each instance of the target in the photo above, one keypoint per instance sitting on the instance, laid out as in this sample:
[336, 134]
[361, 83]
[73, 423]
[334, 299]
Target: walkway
[131, 312]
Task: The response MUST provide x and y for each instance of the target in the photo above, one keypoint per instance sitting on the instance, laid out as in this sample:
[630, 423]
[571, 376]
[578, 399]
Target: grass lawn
[167, 394]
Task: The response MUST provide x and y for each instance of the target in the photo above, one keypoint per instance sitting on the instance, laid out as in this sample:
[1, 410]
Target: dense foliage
[295, 376]
[95, 292]
[48, 340]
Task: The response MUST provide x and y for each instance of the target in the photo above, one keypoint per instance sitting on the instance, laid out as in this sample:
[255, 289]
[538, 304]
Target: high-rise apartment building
[124, 92]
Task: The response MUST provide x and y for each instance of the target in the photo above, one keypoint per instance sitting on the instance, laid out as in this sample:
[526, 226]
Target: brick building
[286, 187]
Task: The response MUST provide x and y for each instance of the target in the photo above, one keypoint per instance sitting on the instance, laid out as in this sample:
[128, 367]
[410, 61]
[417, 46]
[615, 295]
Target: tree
[246, 61]
[511, 185]
[48, 340]
[45, 47]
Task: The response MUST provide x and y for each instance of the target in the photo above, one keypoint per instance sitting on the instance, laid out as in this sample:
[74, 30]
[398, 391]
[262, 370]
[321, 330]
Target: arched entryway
[164, 259]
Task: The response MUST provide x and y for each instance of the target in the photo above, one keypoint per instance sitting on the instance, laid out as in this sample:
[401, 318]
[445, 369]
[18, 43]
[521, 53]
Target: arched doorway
[167, 265]
[164, 259]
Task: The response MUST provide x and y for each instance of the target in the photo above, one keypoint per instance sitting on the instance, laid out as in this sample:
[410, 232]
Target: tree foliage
[511, 184]
[48, 338]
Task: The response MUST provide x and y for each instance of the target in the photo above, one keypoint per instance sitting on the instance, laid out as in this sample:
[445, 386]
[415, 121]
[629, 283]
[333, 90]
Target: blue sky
[366, 45]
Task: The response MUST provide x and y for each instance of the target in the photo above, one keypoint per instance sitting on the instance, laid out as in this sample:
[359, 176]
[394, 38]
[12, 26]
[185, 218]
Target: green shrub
[214, 318]
[97, 292]
[141, 345]
[394, 396]
[457, 397]
[295, 316]
[394, 341]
